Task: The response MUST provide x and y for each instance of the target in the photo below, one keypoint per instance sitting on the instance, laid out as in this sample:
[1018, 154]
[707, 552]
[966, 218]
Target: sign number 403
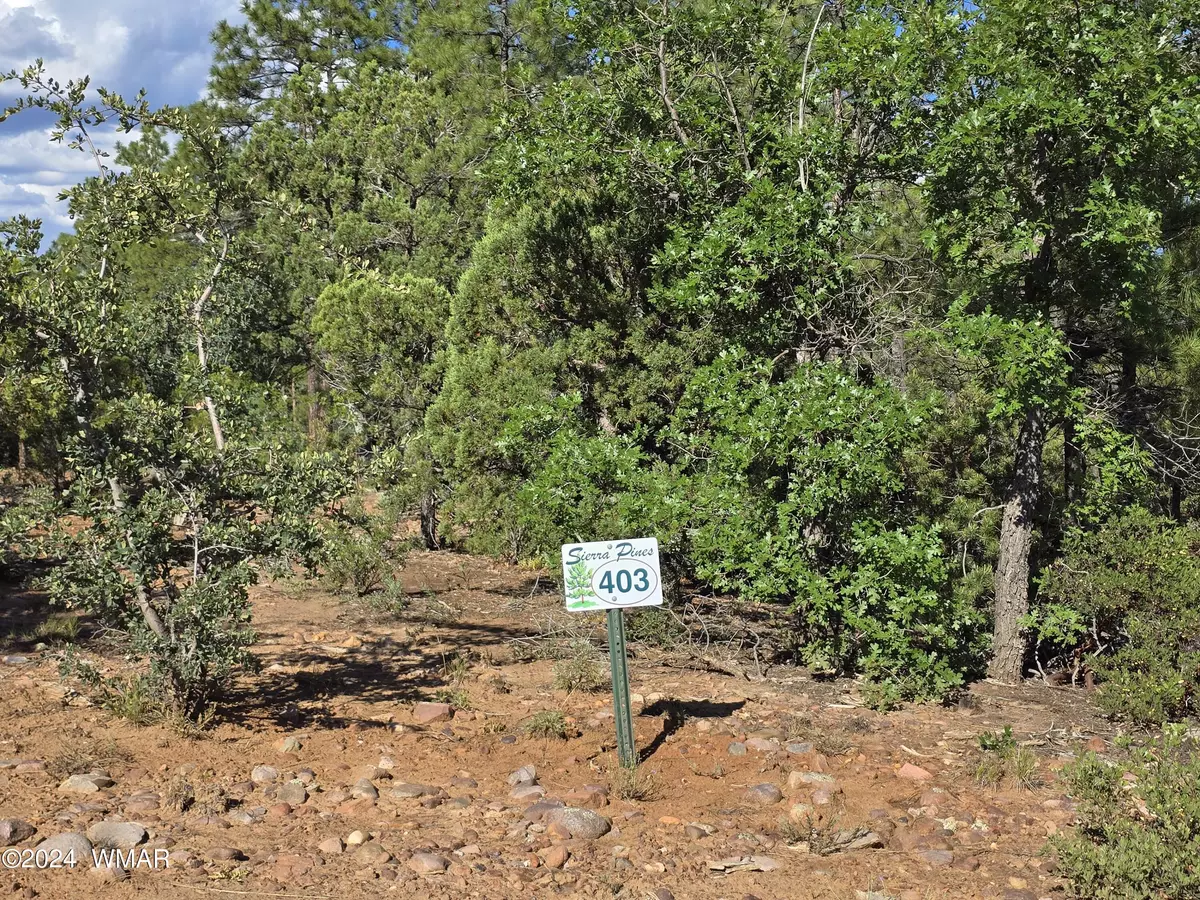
[612, 574]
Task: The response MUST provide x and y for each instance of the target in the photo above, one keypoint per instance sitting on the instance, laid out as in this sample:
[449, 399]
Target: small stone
[799, 748]
[356, 838]
[90, 783]
[109, 874]
[538, 811]
[331, 846]
[428, 863]
[937, 857]
[737, 748]
[555, 857]
[762, 745]
[801, 812]
[116, 835]
[868, 841]
[913, 773]
[822, 797]
[69, 845]
[527, 793]
[527, 774]
[663, 894]
[13, 831]
[763, 794]
[695, 832]
[363, 788]
[293, 793]
[580, 824]
[411, 791]
[288, 744]
[264, 775]
[798, 780]
[424, 713]
[371, 854]
[590, 796]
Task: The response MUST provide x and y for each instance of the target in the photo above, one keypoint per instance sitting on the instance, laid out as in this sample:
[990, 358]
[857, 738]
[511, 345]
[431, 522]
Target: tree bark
[20, 454]
[1016, 544]
[311, 384]
[429, 521]
[202, 353]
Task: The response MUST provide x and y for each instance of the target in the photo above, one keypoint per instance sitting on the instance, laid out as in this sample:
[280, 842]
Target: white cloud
[125, 45]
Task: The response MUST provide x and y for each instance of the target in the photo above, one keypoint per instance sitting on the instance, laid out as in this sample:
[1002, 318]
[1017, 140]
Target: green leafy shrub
[1001, 756]
[634, 783]
[798, 493]
[581, 671]
[1138, 837]
[1126, 598]
[656, 627]
[549, 724]
[362, 553]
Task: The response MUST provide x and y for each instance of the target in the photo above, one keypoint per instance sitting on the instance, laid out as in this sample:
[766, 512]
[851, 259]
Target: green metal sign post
[622, 710]
[614, 576]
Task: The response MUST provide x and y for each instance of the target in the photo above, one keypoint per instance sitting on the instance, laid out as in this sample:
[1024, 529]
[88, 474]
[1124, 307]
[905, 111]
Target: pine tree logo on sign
[612, 574]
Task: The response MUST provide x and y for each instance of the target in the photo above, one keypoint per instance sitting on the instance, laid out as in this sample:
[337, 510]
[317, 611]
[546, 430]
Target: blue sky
[159, 45]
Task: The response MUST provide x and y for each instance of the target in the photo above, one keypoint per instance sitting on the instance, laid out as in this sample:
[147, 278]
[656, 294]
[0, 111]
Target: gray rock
[798, 779]
[72, 846]
[264, 775]
[330, 846]
[799, 748]
[426, 713]
[116, 835]
[293, 793]
[371, 854]
[13, 831]
[527, 793]
[763, 794]
[90, 783]
[428, 863]
[411, 791]
[577, 824]
[363, 788]
[937, 857]
[737, 748]
[524, 775]
[288, 745]
[541, 809]
[762, 745]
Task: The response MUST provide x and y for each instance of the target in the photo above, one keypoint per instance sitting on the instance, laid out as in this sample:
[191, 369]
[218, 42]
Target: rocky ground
[334, 772]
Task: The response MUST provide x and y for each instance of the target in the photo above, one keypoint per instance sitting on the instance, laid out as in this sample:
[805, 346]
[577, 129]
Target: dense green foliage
[881, 317]
[1132, 585]
[1139, 833]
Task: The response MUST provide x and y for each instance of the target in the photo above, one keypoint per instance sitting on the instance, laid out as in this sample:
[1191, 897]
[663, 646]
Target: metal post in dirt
[614, 576]
[622, 711]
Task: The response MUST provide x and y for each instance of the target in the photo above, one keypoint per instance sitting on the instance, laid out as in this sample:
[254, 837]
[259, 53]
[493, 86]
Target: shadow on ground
[677, 712]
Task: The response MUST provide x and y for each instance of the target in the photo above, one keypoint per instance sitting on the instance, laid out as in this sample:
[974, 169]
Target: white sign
[612, 574]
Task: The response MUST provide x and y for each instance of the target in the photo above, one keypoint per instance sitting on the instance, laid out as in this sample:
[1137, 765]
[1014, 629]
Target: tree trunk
[1073, 467]
[202, 353]
[1016, 544]
[20, 454]
[311, 383]
[429, 521]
